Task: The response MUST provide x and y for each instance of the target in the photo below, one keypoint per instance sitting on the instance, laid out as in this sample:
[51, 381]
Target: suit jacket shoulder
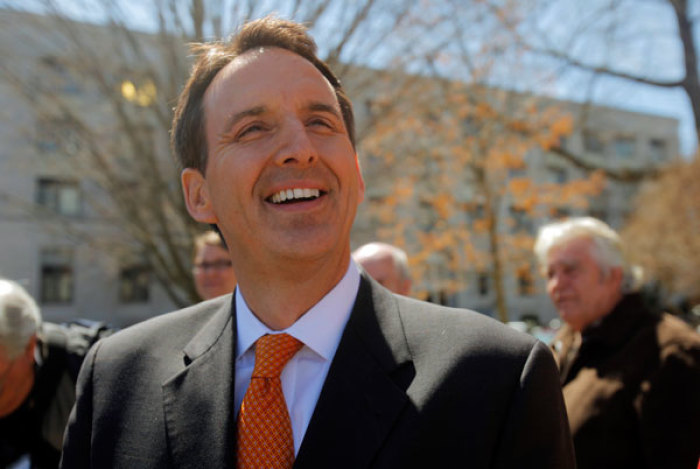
[420, 385]
[428, 325]
[181, 323]
[146, 390]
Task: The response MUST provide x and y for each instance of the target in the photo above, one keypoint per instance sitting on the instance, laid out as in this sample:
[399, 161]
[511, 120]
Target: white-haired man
[39, 364]
[631, 378]
[23, 431]
[387, 264]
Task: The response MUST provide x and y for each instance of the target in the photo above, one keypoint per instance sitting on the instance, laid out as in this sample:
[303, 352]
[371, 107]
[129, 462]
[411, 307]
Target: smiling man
[631, 377]
[309, 363]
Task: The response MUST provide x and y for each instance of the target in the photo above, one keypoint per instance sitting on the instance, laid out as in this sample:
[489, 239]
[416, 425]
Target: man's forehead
[275, 57]
[563, 262]
[240, 61]
[570, 252]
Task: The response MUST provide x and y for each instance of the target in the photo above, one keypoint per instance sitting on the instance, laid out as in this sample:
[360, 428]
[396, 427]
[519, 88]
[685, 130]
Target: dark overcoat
[632, 389]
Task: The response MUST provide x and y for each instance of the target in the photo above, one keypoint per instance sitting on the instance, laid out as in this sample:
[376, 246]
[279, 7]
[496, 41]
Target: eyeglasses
[216, 265]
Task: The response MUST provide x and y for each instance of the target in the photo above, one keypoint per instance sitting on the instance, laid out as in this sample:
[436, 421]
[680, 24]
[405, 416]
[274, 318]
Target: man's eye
[251, 129]
[320, 122]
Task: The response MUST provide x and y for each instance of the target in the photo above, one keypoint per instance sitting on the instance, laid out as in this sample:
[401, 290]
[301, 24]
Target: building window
[521, 220]
[624, 147]
[526, 284]
[59, 76]
[592, 142]
[599, 213]
[439, 297]
[57, 135]
[369, 107]
[516, 173]
[48, 139]
[134, 284]
[483, 281]
[432, 116]
[564, 142]
[559, 213]
[658, 150]
[627, 190]
[557, 175]
[475, 211]
[470, 126]
[62, 197]
[57, 275]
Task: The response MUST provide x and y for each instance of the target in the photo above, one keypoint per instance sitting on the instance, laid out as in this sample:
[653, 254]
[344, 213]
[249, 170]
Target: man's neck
[278, 299]
[609, 307]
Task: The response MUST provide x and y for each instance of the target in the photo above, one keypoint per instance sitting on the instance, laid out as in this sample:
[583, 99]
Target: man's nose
[554, 282]
[296, 146]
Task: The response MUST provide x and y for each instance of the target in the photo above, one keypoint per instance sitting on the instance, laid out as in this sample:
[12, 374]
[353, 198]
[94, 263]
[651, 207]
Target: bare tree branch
[622, 175]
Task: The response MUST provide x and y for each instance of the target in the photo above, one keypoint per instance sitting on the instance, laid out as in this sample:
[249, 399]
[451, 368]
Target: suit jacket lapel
[364, 391]
[198, 400]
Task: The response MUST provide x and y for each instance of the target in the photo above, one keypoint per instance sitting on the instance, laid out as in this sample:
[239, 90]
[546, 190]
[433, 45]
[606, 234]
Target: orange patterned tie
[264, 437]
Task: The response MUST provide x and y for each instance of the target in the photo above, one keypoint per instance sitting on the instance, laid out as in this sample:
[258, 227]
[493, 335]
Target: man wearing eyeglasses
[212, 269]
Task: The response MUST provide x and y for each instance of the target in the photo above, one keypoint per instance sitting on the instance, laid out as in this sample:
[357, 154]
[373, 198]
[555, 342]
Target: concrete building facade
[44, 209]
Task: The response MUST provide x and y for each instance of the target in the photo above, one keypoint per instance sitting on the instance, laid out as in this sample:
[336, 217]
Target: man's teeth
[292, 194]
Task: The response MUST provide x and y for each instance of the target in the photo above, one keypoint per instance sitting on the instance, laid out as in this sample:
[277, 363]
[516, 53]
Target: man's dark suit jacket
[411, 385]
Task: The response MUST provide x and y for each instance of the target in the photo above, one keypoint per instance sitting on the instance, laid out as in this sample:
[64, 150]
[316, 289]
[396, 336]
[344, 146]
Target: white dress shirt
[319, 329]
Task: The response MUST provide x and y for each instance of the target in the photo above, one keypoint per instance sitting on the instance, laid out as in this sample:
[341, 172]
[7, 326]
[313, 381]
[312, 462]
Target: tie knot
[272, 352]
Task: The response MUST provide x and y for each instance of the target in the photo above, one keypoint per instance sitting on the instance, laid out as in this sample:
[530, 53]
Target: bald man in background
[387, 264]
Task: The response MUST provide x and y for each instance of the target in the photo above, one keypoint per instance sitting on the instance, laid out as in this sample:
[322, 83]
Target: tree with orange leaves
[663, 234]
[460, 196]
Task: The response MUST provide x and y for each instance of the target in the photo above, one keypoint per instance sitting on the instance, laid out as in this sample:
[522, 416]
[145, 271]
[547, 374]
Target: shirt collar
[319, 328]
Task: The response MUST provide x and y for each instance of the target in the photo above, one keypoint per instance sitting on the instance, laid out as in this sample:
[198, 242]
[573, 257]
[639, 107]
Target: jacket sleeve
[78, 435]
[669, 410]
[536, 432]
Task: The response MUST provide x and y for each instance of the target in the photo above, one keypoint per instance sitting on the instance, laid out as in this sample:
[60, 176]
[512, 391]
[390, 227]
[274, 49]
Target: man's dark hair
[188, 138]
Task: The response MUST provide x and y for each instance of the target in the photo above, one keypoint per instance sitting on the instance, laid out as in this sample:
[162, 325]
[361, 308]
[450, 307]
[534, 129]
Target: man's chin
[567, 313]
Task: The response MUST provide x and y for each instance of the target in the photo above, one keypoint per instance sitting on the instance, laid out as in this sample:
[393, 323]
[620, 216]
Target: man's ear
[361, 192]
[196, 194]
[406, 285]
[616, 276]
[29, 350]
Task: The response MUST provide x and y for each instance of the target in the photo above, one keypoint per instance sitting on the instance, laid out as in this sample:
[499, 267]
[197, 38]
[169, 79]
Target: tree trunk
[490, 208]
[495, 251]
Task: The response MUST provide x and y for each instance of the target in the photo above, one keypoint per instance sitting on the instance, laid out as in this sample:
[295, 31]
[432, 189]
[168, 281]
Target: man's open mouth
[287, 196]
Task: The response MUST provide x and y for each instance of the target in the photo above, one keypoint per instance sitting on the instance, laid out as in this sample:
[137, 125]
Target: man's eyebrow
[323, 107]
[252, 112]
